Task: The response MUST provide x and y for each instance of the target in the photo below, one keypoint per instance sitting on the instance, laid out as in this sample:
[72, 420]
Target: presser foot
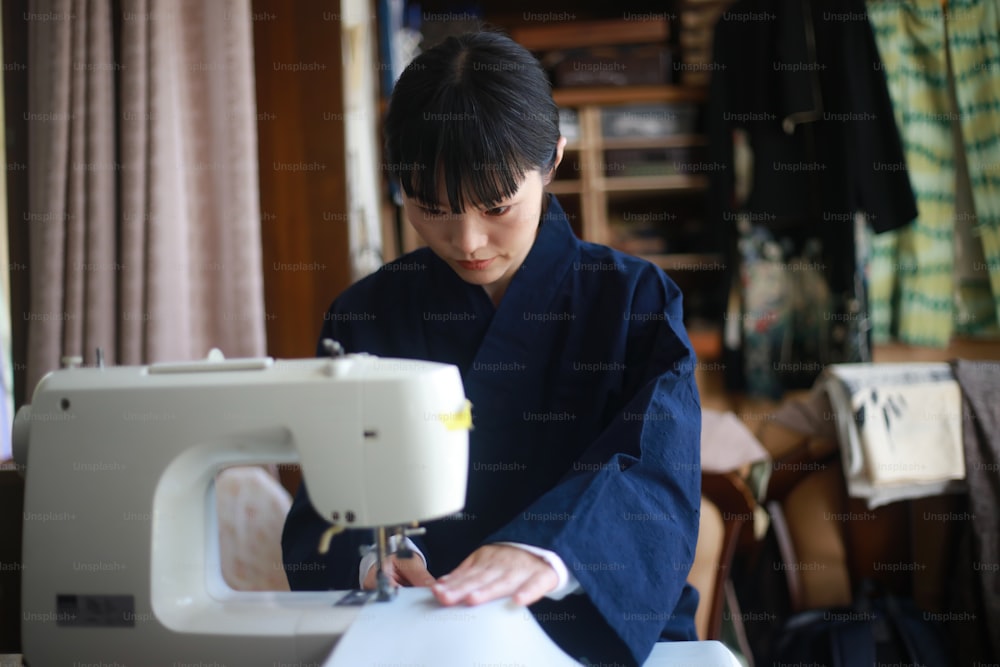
[384, 590]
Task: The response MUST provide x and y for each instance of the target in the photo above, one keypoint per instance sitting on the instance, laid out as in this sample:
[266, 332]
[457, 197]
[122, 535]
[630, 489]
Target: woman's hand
[401, 572]
[496, 571]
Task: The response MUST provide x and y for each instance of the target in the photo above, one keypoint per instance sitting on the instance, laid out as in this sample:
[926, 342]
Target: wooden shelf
[959, 347]
[603, 185]
[687, 261]
[558, 187]
[591, 33]
[670, 141]
[609, 95]
[707, 342]
[647, 183]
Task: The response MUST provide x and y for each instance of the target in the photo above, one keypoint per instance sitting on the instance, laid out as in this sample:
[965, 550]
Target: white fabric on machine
[415, 630]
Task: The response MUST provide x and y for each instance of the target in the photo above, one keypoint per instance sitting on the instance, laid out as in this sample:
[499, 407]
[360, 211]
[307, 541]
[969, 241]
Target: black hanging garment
[799, 95]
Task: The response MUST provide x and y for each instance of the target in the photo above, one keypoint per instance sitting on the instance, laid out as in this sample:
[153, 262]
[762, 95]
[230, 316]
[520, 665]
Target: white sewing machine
[121, 552]
[121, 559]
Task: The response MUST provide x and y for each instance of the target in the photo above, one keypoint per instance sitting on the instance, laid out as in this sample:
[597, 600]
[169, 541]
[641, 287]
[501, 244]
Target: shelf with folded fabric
[634, 170]
[633, 142]
[642, 162]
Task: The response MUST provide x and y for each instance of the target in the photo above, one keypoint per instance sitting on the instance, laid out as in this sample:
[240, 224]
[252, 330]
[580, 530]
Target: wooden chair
[727, 516]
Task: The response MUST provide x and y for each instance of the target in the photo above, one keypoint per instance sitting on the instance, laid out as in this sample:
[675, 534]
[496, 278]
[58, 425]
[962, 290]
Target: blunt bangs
[475, 111]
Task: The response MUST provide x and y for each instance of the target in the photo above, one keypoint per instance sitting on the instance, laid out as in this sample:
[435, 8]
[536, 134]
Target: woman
[584, 479]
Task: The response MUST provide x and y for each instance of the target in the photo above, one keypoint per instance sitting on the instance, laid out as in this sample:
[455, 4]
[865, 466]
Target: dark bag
[884, 630]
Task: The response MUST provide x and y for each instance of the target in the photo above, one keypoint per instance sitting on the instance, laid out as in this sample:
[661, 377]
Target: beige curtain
[144, 205]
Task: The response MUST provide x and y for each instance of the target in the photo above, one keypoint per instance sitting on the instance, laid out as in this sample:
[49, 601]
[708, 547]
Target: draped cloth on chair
[926, 283]
[144, 204]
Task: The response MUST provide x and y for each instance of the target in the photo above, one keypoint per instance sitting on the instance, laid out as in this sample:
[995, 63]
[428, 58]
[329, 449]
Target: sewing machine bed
[425, 633]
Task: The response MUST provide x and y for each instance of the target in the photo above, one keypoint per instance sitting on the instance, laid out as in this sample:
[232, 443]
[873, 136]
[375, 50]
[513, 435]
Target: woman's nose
[468, 235]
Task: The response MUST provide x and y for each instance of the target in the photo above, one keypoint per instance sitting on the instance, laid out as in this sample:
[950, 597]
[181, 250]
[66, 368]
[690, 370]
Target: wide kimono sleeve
[625, 519]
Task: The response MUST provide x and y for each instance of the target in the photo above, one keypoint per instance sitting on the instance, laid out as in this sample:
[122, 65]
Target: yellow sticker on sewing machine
[461, 419]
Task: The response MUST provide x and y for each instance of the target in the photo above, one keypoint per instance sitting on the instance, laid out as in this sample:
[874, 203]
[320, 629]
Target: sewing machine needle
[382, 584]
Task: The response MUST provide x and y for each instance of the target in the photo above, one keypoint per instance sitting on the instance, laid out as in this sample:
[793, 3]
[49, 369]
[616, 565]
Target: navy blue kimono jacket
[586, 432]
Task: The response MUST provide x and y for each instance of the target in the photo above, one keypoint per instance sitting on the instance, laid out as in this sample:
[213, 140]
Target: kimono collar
[541, 274]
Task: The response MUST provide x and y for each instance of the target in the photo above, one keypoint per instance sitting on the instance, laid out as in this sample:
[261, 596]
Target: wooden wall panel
[301, 145]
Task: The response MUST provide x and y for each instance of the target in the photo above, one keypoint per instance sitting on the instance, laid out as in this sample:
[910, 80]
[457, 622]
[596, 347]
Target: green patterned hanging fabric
[919, 294]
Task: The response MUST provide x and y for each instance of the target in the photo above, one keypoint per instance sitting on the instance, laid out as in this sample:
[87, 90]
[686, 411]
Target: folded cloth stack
[900, 429]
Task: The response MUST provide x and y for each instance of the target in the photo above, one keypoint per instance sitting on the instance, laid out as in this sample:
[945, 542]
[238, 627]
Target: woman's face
[484, 246]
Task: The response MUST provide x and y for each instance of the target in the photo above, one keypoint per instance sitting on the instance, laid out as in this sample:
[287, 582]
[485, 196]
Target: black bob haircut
[475, 110]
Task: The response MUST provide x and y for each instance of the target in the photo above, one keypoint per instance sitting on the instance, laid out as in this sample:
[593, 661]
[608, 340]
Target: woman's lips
[476, 265]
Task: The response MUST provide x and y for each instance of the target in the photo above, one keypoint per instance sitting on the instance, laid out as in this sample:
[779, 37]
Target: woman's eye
[498, 211]
[432, 212]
